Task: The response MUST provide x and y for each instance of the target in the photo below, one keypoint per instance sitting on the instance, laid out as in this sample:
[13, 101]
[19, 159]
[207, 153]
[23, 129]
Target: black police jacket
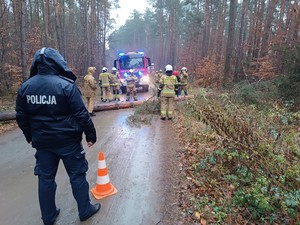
[51, 113]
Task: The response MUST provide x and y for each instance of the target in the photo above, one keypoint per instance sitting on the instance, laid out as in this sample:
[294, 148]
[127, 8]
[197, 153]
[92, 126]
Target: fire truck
[139, 63]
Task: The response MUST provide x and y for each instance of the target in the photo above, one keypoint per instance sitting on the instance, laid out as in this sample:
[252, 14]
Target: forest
[241, 131]
[219, 41]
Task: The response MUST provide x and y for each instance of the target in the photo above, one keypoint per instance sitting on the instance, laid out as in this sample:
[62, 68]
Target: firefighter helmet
[114, 69]
[168, 68]
[131, 71]
[175, 73]
[183, 69]
[104, 69]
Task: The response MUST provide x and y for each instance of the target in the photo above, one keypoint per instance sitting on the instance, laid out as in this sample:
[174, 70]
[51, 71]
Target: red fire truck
[139, 63]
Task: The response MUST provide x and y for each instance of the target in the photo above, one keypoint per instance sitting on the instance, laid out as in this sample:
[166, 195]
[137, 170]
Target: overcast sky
[126, 9]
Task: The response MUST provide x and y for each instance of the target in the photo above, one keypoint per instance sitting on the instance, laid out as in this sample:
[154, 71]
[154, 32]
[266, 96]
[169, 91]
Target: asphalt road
[140, 165]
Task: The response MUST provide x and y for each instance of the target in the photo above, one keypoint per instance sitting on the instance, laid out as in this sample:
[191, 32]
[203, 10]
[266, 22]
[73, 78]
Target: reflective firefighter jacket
[104, 79]
[168, 85]
[114, 79]
[184, 78]
[131, 79]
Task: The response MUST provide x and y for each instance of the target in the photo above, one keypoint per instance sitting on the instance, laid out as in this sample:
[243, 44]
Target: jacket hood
[50, 61]
[91, 70]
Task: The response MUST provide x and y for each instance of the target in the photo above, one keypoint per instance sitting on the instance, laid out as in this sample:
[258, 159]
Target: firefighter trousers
[106, 93]
[167, 107]
[90, 101]
[131, 91]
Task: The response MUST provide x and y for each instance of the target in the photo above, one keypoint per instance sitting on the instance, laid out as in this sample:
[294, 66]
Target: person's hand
[90, 144]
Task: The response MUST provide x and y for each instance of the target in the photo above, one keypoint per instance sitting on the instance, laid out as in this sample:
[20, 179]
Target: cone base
[98, 195]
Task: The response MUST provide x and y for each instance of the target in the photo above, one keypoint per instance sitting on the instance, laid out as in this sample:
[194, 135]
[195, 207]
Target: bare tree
[220, 30]
[242, 35]
[59, 31]
[23, 38]
[230, 41]
[206, 31]
[267, 28]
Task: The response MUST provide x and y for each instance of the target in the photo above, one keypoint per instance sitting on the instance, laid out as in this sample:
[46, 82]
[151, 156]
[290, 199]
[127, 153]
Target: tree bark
[23, 39]
[269, 19]
[206, 30]
[161, 37]
[58, 28]
[239, 58]
[46, 22]
[258, 29]
[230, 41]
[220, 31]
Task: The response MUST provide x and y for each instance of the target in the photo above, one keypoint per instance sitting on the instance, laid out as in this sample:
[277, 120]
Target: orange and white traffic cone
[103, 186]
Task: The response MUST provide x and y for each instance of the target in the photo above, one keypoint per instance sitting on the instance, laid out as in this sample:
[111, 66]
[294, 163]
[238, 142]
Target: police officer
[104, 79]
[168, 85]
[90, 88]
[53, 117]
[184, 80]
[115, 83]
[130, 87]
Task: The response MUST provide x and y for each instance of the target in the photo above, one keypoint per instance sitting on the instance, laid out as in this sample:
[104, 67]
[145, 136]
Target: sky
[126, 9]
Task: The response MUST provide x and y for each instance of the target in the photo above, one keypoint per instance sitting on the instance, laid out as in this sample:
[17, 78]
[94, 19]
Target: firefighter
[168, 85]
[90, 88]
[104, 80]
[115, 83]
[130, 87]
[158, 75]
[176, 74]
[184, 80]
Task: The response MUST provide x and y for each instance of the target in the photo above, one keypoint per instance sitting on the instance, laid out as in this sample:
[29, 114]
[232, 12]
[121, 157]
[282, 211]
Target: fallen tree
[4, 116]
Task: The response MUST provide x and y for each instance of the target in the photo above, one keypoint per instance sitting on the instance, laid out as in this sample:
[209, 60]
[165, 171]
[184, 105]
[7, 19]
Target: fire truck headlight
[145, 78]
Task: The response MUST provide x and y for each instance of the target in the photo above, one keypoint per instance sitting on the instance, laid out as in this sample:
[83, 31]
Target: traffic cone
[103, 186]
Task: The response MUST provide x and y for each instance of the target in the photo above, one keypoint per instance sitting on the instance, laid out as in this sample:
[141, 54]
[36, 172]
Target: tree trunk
[58, 28]
[220, 31]
[23, 39]
[296, 19]
[258, 29]
[206, 30]
[230, 41]
[250, 41]
[239, 57]
[214, 23]
[46, 22]
[92, 33]
[268, 22]
[161, 37]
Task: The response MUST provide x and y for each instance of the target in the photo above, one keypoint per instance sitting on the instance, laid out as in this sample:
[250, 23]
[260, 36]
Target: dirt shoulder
[6, 126]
